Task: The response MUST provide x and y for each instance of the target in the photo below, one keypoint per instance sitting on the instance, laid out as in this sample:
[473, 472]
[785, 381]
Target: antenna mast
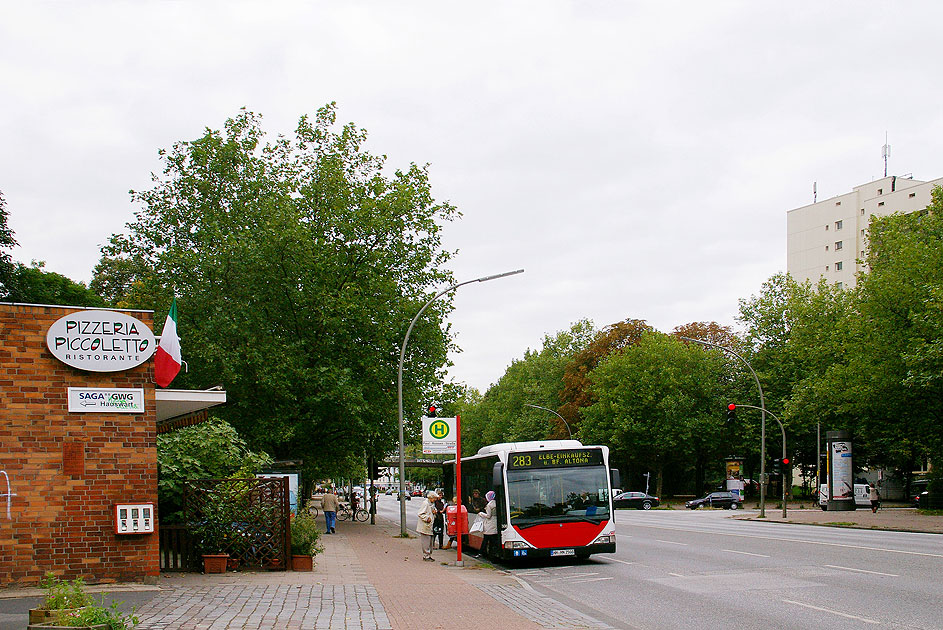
[815, 192]
[886, 152]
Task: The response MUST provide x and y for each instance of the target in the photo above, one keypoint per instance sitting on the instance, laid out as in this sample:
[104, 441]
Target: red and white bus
[554, 498]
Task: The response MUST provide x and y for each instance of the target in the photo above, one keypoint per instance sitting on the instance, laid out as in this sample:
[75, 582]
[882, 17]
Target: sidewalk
[899, 519]
[367, 578]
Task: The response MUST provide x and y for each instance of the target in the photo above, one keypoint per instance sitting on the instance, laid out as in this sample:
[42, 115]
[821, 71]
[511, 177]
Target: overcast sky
[636, 158]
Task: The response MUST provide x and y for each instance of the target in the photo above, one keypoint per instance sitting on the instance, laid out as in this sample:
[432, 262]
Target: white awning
[172, 403]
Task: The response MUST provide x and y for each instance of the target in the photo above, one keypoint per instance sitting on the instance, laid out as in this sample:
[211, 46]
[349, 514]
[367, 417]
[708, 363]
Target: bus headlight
[516, 544]
[605, 540]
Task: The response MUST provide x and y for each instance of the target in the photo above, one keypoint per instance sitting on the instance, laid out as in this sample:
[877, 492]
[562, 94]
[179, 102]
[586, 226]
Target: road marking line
[672, 542]
[676, 575]
[570, 577]
[745, 553]
[835, 566]
[617, 560]
[834, 612]
[795, 540]
[592, 580]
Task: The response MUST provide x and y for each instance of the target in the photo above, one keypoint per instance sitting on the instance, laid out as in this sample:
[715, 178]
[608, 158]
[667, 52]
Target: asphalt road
[676, 569]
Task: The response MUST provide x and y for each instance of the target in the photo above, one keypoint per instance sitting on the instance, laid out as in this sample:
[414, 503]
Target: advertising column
[841, 481]
[734, 475]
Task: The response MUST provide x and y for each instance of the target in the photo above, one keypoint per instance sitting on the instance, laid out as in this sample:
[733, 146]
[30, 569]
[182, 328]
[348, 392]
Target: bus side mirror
[497, 475]
[497, 483]
[616, 479]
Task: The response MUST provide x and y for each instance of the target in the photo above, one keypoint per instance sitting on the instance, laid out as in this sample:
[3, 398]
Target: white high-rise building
[829, 238]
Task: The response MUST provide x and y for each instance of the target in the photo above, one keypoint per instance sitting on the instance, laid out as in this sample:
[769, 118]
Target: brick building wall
[67, 470]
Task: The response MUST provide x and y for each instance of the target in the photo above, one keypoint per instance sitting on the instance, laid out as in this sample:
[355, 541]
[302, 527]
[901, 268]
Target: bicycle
[345, 513]
[312, 510]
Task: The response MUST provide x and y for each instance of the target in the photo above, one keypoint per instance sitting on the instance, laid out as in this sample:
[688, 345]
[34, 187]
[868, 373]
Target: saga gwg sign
[100, 341]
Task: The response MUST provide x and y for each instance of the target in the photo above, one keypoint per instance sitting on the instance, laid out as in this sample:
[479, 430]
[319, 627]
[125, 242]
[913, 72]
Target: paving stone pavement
[303, 606]
[367, 578]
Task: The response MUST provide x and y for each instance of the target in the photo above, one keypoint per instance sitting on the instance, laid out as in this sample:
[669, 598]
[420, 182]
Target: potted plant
[304, 542]
[212, 538]
[214, 534]
[59, 595]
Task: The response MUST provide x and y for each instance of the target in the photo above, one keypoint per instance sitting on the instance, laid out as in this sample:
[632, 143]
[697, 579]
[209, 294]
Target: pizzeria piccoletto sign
[100, 341]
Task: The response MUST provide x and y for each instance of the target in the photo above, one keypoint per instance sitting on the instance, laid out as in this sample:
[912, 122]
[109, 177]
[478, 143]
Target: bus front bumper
[562, 552]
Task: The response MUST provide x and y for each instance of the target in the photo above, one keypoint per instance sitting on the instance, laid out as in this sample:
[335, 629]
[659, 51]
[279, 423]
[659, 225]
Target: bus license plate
[563, 552]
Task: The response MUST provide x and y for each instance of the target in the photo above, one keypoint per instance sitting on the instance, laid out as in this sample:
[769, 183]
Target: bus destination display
[555, 459]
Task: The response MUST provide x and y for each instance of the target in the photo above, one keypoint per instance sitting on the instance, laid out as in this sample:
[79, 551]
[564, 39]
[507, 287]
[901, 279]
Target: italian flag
[167, 358]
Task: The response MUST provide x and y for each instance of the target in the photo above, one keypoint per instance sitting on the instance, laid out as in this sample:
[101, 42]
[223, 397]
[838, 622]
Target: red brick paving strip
[421, 595]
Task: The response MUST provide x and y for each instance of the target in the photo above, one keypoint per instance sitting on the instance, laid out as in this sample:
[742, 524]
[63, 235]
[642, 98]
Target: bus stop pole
[458, 490]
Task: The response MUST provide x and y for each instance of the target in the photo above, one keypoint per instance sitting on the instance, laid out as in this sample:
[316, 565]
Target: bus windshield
[538, 495]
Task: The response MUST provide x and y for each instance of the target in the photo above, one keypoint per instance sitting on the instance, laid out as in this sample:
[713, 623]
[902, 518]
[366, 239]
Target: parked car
[638, 500]
[725, 500]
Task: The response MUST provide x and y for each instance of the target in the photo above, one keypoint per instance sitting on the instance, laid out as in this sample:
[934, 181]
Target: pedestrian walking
[875, 498]
[489, 522]
[424, 525]
[329, 505]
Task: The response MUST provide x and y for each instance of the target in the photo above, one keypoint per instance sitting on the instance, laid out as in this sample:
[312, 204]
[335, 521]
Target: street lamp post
[762, 419]
[565, 423]
[783, 429]
[399, 387]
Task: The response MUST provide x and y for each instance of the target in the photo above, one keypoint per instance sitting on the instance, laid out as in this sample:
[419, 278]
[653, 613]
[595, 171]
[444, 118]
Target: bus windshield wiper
[549, 520]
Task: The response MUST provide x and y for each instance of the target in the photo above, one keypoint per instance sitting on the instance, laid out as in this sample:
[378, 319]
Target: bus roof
[528, 446]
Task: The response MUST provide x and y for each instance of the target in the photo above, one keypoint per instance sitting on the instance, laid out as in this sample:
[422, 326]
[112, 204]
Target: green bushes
[305, 536]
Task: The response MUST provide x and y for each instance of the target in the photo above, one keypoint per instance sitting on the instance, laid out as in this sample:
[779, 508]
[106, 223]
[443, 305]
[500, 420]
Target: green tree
[211, 450]
[297, 266]
[7, 241]
[32, 285]
[897, 367]
[536, 379]
[577, 393]
[652, 399]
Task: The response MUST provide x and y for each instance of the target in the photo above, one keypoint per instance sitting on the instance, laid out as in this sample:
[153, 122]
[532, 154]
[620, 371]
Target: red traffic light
[785, 460]
[732, 406]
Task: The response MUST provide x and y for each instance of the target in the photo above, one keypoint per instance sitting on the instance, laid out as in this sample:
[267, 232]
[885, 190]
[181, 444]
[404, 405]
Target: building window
[862, 232]
[862, 254]
[837, 225]
[912, 195]
[862, 212]
[826, 227]
[839, 285]
[826, 248]
[838, 266]
[837, 245]
[837, 203]
[880, 203]
[826, 267]
[880, 191]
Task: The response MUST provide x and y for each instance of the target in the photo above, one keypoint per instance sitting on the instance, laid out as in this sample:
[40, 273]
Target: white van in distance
[862, 495]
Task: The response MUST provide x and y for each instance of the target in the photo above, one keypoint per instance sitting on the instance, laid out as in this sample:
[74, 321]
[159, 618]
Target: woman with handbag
[489, 526]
